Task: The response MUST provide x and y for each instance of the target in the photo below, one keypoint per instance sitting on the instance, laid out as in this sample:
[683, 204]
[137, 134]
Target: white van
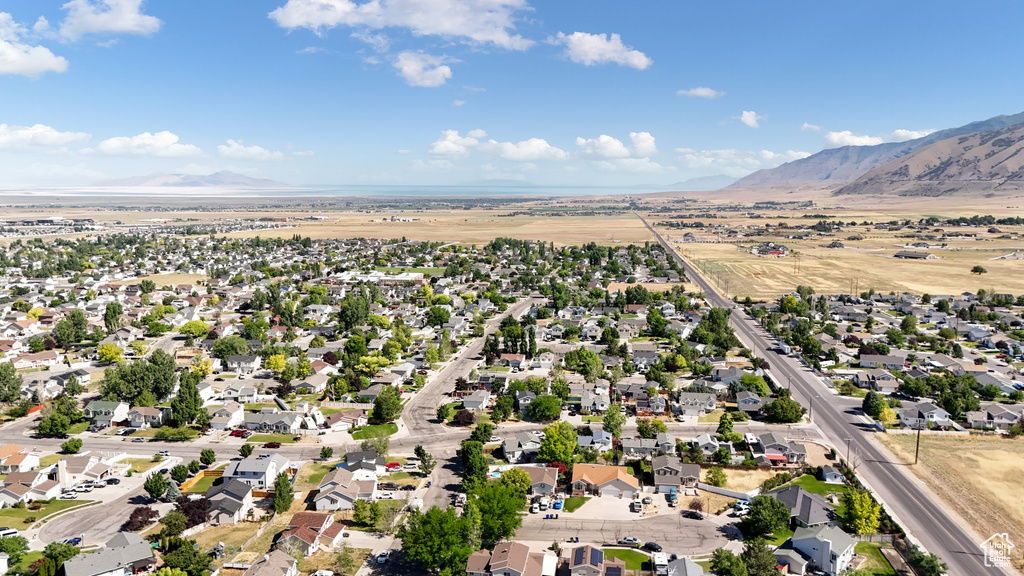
[5, 532]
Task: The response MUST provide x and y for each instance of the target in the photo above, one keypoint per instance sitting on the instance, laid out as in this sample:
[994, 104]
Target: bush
[30, 519]
[140, 518]
[775, 481]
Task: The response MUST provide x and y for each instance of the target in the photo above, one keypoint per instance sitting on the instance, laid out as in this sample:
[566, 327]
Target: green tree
[437, 316]
[926, 564]
[185, 555]
[500, 508]
[716, 477]
[517, 479]
[437, 539]
[10, 383]
[725, 563]
[173, 493]
[759, 558]
[862, 512]
[54, 424]
[179, 473]
[725, 425]
[147, 286]
[326, 452]
[283, 496]
[388, 405]
[15, 547]
[474, 464]
[613, 420]
[207, 456]
[60, 552]
[194, 467]
[559, 443]
[187, 403]
[155, 485]
[766, 516]
[379, 441]
[245, 450]
[174, 523]
[544, 408]
[978, 269]
[194, 329]
[873, 404]
[482, 433]
[233, 345]
[112, 316]
[783, 409]
[427, 461]
[109, 353]
[445, 412]
[72, 446]
[656, 322]
[344, 563]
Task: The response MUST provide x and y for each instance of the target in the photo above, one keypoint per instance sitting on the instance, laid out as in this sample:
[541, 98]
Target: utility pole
[917, 449]
[848, 439]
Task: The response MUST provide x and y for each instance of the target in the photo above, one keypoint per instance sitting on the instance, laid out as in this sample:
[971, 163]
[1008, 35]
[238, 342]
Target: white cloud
[487, 22]
[605, 146]
[36, 136]
[848, 138]
[532, 150]
[701, 92]
[379, 42]
[163, 144]
[591, 49]
[458, 103]
[17, 57]
[451, 144]
[735, 162]
[303, 153]
[810, 127]
[424, 70]
[237, 150]
[106, 16]
[310, 50]
[750, 118]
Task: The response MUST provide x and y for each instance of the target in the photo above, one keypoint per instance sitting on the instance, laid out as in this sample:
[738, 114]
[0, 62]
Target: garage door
[611, 492]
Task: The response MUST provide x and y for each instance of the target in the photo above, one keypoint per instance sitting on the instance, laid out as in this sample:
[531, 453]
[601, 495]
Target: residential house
[684, 567]
[276, 563]
[666, 470]
[309, 531]
[106, 413]
[879, 379]
[827, 547]
[73, 470]
[314, 384]
[147, 417]
[260, 473]
[228, 416]
[14, 458]
[341, 487]
[244, 365]
[592, 561]
[477, 400]
[276, 422]
[924, 415]
[543, 479]
[639, 447]
[830, 475]
[125, 553]
[696, 403]
[879, 361]
[510, 559]
[521, 447]
[240, 392]
[749, 402]
[230, 502]
[523, 399]
[995, 417]
[599, 480]
[707, 443]
[805, 508]
[601, 441]
[778, 450]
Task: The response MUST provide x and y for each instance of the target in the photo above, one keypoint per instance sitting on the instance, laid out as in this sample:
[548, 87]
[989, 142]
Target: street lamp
[848, 440]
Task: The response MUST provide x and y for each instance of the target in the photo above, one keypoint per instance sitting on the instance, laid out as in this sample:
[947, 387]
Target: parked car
[83, 488]
[164, 452]
[652, 546]
[383, 556]
[386, 496]
[693, 514]
[73, 541]
[629, 541]
[113, 481]
[409, 487]
[534, 508]
[389, 486]
[272, 445]
[69, 496]
[393, 465]
[138, 439]
[647, 500]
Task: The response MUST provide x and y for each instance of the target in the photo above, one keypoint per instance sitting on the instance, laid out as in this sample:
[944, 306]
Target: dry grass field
[166, 279]
[978, 476]
[470, 227]
[859, 266]
[747, 480]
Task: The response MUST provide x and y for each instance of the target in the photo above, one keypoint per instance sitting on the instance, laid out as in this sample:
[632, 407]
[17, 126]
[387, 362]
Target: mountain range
[222, 179]
[937, 158]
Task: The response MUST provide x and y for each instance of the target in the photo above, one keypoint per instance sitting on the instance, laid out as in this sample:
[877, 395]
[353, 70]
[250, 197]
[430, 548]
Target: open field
[859, 266]
[747, 480]
[978, 477]
[166, 279]
[469, 227]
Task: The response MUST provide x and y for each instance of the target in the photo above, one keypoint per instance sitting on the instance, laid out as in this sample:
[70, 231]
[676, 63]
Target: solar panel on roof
[596, 556]
[613, 571]
[578, 556]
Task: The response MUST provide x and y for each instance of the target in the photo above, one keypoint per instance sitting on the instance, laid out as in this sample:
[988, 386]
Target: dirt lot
[747, 480]
[978, 476]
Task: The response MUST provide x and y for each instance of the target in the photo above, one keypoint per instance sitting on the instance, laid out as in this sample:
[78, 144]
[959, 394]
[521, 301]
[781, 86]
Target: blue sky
[445, 92]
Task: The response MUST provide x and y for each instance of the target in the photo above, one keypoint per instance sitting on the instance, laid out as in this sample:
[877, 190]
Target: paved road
[672, 531]
[919, 511]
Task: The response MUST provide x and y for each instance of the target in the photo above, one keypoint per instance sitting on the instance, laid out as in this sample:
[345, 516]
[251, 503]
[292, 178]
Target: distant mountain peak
[222, 179]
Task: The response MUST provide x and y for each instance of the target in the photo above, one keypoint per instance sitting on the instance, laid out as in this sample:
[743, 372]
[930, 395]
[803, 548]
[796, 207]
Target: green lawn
[26, 560]
[876, 562]
[264, 438]
[368, 431]
[15, 517]
[812, 484]
[204, 484]
[573, 503]
[396, 477]
[256, 407]
[78, 428]
[634, 560]
[140, 464]
[320, 470]
[48, 460]
[593, 418]
[712, 418]
[779, 537]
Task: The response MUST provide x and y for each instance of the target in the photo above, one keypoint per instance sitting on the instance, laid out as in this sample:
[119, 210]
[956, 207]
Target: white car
[69, 496]
[386, 496]
[495, 439]
[629, 541]
[383, 556]
[83, 488]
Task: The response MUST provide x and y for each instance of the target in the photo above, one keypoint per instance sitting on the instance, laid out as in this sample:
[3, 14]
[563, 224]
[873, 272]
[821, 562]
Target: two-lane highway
[925, 517]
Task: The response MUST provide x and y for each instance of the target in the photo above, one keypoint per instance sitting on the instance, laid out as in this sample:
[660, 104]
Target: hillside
[222, 179]
[974, 163]
[846, 164]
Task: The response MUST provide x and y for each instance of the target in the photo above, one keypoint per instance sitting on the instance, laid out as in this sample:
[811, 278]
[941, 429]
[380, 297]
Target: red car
[272, 445]
[237, 433]
[392, 465]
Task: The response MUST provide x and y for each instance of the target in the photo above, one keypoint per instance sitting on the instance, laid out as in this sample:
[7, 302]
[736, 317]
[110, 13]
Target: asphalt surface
[920, 512]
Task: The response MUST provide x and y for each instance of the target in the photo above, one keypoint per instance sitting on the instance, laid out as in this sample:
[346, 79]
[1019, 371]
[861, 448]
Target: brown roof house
[599, 480]
[591, 561]
[310, 531]
[340, 489]
[277, 563]
[510, 559]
